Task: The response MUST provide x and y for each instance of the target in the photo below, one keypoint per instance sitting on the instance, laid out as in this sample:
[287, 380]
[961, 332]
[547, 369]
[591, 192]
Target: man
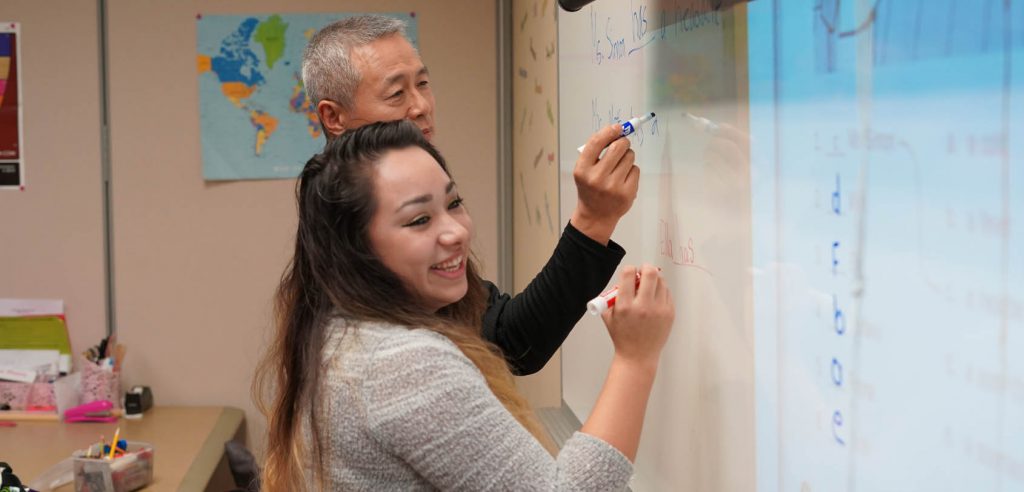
[362, 70]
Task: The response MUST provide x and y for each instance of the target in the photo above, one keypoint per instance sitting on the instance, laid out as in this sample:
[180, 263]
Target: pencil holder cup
[42, 395]
[100, 384]
[129, 472]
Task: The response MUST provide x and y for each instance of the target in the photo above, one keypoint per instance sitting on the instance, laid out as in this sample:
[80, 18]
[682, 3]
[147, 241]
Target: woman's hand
[640, 321]
[639, 325]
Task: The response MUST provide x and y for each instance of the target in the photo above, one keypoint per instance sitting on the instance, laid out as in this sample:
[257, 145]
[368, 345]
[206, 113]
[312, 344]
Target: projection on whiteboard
[845, 243]
[888, 205]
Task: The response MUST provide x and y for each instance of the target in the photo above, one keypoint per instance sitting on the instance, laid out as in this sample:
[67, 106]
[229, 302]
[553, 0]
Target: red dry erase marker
[606, 300]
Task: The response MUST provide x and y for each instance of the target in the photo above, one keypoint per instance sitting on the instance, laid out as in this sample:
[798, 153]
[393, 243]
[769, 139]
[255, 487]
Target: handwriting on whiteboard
[607, 34]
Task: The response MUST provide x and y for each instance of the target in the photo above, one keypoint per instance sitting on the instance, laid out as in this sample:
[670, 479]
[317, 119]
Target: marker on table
[629, 127]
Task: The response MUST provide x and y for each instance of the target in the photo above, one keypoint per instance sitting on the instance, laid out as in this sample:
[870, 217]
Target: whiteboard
[691, 218]
[850, 290]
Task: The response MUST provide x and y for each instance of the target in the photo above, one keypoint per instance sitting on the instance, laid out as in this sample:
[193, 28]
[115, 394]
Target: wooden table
[188, 444]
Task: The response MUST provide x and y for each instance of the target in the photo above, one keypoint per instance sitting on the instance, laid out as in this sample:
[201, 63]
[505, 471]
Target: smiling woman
[379, 377]
[420, 229]
[382, 250]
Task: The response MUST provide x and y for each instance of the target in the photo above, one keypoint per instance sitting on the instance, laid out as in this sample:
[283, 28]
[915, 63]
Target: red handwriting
[680, 254]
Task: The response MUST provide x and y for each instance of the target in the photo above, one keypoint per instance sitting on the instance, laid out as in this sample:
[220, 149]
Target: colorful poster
[254, 119]
[12, 164]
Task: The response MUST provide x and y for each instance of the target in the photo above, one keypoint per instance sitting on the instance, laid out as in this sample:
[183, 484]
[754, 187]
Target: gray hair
[327, 69]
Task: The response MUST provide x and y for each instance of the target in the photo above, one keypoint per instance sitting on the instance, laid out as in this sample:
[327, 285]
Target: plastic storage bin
[130, 472]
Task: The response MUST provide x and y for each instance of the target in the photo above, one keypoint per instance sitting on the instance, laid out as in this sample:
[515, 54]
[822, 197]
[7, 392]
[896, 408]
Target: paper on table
[44, 332]
[31, 307]
[43, 361]
[17, 375]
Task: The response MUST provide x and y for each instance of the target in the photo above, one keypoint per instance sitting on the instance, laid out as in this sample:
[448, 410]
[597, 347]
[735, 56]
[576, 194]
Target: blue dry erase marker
[629, 127]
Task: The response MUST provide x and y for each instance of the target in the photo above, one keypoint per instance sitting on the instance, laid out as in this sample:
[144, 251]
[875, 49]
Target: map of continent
[255, 120]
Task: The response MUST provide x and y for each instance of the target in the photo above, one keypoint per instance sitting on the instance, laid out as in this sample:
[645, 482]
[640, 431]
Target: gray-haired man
[362, 70]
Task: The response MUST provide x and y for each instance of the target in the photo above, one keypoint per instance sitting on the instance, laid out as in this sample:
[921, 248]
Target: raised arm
[639, 326]
[531, 326]
[606, 185]
[429, 406]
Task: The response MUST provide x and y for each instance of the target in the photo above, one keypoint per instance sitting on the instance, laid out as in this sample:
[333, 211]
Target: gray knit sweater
[406, 410]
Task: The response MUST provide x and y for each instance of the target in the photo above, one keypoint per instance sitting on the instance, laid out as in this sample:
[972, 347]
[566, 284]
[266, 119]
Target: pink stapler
[97, 411]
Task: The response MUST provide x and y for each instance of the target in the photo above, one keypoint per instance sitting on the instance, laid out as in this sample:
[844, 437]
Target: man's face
[394, 85]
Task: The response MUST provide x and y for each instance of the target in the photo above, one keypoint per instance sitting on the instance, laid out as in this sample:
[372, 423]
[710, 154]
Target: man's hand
[605, 185]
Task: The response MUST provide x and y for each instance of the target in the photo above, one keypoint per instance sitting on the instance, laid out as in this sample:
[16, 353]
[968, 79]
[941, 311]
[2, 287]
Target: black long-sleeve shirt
[531, 326]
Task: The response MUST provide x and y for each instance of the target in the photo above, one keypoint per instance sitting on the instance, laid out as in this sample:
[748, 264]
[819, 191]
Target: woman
[378, 377]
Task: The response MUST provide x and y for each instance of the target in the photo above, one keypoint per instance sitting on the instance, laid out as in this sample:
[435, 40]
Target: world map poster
[255, 121]
[12, 171]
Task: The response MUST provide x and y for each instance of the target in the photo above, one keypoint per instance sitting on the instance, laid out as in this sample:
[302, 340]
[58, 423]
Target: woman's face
[420, 229]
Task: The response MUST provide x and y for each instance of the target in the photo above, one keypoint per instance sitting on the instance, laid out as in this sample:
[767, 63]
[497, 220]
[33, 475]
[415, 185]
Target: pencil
[113, 444]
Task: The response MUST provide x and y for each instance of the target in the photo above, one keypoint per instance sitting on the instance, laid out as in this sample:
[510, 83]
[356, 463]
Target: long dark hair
[335, 274]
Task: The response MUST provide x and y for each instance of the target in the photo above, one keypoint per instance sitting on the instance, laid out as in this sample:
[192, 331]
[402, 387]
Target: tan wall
[51, 234]
[196, 262]
[535, 178]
